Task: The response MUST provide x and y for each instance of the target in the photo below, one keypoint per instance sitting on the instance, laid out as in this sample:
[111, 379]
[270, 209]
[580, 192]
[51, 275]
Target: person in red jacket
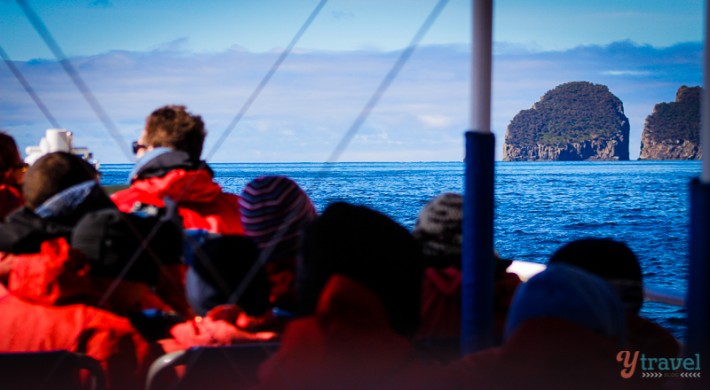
[169, 169]
[438, 232]
[169, 166]
[274, 211]
[12, 170]
[64, 200]
[59, 189]
[359, 284]
[44, 309]
[617, 264]
[564, 330]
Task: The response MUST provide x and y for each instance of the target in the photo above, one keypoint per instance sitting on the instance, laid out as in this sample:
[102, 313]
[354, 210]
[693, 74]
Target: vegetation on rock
[565, 117]
[679, 120]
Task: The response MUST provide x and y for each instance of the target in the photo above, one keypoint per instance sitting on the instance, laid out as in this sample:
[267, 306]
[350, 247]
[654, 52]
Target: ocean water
[539, 205]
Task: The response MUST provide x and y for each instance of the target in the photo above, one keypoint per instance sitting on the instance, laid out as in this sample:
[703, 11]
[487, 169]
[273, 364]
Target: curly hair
[174, 127]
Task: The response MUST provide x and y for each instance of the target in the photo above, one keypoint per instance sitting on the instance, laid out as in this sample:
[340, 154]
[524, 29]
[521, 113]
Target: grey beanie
[438, 228]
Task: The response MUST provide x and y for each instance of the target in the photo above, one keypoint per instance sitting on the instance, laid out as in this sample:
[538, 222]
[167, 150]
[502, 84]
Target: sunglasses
[137, 147]
[20, 166]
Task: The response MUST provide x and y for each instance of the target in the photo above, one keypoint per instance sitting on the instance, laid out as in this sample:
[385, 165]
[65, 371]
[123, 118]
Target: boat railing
[527, 269]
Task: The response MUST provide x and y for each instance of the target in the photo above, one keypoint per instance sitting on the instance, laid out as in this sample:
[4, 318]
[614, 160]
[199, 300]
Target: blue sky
[136, 56]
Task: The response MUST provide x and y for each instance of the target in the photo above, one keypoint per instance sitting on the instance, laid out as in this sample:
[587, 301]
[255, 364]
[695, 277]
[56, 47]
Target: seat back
[50, 370]
[233, 367]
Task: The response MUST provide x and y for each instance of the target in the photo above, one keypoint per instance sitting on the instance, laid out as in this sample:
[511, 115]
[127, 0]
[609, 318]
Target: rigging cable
[266, 79]
[340, 148]
[384, 85]
[223, 136]
[75, 77]
[28, 88]
[245, 107]
[382, 88]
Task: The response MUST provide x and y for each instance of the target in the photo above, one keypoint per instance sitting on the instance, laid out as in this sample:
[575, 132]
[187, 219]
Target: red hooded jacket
[41, 312]
[544, 353]
[346, 344]
[201, 202]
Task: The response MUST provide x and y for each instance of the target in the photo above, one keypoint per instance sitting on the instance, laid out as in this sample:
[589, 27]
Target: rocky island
[573, 122]
[672, 131]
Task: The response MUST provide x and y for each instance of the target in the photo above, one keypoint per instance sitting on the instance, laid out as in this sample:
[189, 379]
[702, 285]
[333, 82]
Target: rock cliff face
[575, 121]
[672, 131]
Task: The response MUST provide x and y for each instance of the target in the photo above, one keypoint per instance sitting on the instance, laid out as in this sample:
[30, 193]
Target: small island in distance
[582, 121]
[672, 131]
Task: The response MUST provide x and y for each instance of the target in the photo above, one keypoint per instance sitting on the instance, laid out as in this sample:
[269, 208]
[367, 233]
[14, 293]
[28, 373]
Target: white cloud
[434, 120]
[626, 73]
[315, 97]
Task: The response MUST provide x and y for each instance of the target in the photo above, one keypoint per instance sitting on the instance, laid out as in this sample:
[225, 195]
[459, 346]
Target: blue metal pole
[699, 271]
[477, 263]
[477, 266]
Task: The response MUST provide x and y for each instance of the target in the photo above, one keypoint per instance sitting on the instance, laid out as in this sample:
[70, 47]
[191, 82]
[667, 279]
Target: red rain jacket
[40, 313]
[546, 353]
[441, 302]
[201, 202]
[346, 344]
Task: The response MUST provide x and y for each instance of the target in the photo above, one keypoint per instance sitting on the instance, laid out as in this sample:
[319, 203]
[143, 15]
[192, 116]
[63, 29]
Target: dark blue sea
[539, 206]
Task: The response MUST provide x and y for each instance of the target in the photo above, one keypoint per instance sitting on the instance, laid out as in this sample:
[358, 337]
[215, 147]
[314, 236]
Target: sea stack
[672, 131]
[575, 121]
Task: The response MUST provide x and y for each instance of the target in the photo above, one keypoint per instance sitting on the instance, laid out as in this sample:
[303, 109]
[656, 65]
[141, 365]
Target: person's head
[174, 127]
[369, 248]
[438, 230]
[54, 173]
[612, 260]
[274, 210]
[12, 167]
[571, 294]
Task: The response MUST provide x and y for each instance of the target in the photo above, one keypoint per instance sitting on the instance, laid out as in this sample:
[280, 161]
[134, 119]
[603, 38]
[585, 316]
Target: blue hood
[569, 293]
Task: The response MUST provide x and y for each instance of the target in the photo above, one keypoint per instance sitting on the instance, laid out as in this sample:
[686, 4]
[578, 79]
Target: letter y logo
[629, 363]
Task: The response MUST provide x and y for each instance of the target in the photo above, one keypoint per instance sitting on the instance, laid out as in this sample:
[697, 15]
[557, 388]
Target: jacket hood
[181, 186]
[56, 275]
[173, 174]
[26, 229]
[568, 293]
[70, 205]
[160, 161]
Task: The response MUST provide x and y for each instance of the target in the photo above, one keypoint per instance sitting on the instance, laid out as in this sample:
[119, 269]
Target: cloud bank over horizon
[313, 99]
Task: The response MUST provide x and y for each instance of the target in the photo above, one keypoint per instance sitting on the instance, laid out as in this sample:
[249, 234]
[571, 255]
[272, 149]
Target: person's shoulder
[651, 338]
[126, 199]
[125, 193]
